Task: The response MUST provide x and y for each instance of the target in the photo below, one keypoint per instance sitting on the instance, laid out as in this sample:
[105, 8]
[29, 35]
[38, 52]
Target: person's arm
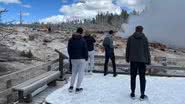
[106, 42]
[69, 48]
[148, 52]
[110, 43]
[85, 51]
[128, 50]
[94, 41]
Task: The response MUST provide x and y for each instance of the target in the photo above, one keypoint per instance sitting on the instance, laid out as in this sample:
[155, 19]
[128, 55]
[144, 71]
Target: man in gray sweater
[109, 53]
[138, 54]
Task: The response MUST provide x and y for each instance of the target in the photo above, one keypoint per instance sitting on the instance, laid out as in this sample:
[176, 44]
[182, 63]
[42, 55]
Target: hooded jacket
[90, 42]
[77, 47]
[108, 45]
[108, 41]
[138, 49]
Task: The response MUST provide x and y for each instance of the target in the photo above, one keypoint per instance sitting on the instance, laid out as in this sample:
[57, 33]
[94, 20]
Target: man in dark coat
[78, 53]
[109, 53]
[90, 45]
[138, 54]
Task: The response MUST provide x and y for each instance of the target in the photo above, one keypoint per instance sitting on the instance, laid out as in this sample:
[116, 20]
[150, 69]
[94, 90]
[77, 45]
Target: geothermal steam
[163, 21]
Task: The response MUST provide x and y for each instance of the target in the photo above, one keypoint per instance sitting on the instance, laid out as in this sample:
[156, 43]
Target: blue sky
[39, 9]
[53, 10]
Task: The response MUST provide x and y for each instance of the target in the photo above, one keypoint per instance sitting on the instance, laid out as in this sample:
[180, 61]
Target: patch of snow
[109, 90]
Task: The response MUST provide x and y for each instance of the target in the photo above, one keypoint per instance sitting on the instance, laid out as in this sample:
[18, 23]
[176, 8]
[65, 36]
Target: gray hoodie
[108, 41]
[138, 49]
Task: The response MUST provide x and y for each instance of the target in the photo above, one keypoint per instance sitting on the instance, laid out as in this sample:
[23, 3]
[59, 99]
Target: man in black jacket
[109, 53]
[138, 54]
[78, 53]
[90, 45]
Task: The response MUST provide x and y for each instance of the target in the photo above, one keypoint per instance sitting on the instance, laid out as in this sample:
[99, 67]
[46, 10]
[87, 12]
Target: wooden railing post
[61, 63]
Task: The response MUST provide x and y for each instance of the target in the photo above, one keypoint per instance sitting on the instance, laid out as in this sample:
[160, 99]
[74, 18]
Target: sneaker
[132, 96]
[143, 97]
[115, 75]
[105, 74]
[78, 90]
[70, 89]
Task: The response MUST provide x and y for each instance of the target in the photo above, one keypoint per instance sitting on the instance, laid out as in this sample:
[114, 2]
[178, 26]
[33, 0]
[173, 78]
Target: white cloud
[1, 8]
[138, 5]
[25, 14]
[10, 1]
[90, 8]
[57, 19]
[26, 6]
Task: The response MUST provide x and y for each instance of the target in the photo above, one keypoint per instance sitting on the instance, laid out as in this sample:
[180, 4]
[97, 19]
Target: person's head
[111, 32]
[139, 29]
[79, 30]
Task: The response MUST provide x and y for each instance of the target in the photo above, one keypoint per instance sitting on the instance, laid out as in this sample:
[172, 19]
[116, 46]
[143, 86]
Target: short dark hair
[79, 30]
[139, 28]
[111, 32]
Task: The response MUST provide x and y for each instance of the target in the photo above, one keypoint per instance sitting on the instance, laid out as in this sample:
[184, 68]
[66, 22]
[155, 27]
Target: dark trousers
[141, 68]
[112, 57]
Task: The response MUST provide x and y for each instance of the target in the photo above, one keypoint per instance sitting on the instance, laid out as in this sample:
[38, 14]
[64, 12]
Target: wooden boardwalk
[38, 99]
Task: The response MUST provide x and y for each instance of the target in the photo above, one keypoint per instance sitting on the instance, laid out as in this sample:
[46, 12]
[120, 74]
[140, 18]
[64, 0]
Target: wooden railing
[15, 78]
[150, 68]
[61, 63]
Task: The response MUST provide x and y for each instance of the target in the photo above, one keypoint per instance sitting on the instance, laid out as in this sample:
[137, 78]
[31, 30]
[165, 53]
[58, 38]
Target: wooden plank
[102, 56]
[123, 57]
[35, 67]
[30, 86]
[149, 66]
[126, 73]
[61, 54]
[20, 76]
[31, 81]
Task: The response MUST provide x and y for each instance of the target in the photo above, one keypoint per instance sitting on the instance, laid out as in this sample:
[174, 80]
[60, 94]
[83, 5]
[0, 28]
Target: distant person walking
[109, 53]
[138, 54]
[90, 44]
[78, 53]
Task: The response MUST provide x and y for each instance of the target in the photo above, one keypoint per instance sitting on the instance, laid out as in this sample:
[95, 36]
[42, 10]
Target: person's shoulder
[130, 37]
[145, 37]
[91, 37]
[70, 39]
[83, 39]
[84, 36]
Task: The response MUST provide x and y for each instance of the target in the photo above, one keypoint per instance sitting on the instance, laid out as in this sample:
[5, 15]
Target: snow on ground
[109, 90]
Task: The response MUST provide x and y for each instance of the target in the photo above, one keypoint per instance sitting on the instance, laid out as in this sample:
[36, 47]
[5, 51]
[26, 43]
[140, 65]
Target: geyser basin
[163, 20]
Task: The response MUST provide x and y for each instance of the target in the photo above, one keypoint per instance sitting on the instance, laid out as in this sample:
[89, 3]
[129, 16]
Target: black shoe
[115, 75]
[78, 90]
[132, 95]
[105, 74]
[143, 97]
[70, 89]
